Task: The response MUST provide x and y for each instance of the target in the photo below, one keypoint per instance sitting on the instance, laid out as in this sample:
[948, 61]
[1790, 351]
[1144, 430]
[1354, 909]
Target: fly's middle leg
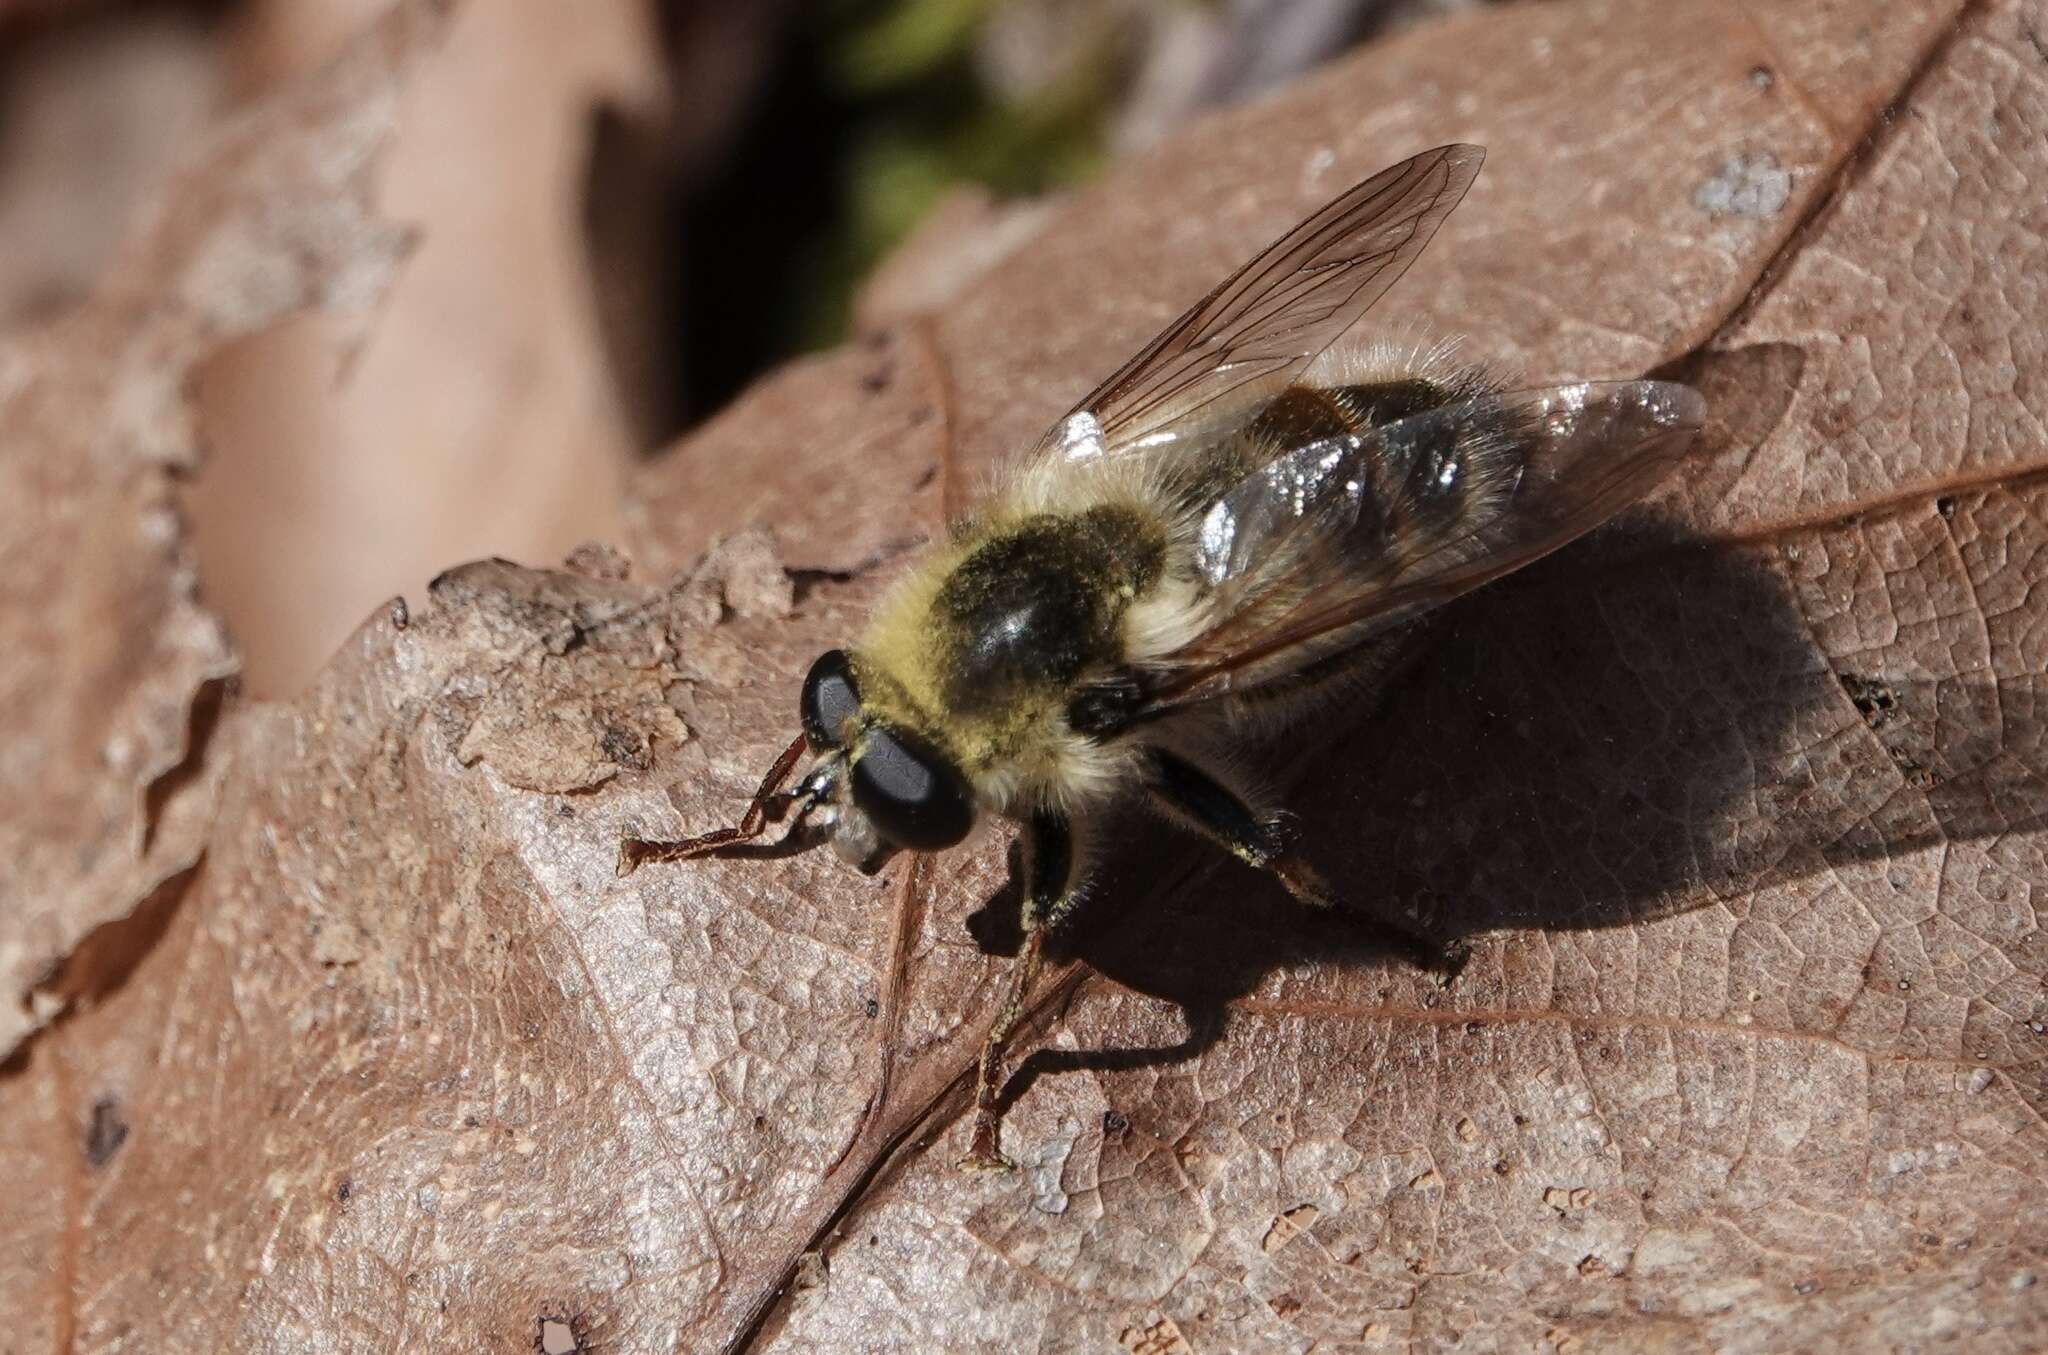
[1048, 895]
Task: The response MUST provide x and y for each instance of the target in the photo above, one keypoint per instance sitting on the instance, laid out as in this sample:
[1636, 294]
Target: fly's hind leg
[1048, 895]
[1196, 798]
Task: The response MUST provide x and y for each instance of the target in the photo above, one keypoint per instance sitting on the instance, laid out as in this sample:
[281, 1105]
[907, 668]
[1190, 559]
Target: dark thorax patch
[1039, 603]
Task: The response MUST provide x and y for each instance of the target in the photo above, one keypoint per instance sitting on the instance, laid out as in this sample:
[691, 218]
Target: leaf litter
[1748, 1055]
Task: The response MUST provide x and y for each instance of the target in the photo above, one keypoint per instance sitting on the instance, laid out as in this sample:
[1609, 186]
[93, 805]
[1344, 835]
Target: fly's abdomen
[1038, 604]
[1304, 414]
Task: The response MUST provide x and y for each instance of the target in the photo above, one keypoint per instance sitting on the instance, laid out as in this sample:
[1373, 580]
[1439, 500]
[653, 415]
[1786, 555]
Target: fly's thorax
[981, 646]
[1038, 603]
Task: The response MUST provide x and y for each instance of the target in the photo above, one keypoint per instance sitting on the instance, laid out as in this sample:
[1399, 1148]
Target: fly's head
[876, 786]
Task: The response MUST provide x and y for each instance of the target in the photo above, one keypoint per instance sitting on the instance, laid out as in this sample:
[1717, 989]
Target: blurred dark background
[628, 210]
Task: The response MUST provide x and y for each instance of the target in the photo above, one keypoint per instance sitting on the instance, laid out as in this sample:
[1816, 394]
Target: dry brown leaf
[1745, 800]
[93, 113]
[107, 654]
[343, 472]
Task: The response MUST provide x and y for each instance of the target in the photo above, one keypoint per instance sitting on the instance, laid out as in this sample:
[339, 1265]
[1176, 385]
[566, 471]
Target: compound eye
[830, 699]
[910, 792]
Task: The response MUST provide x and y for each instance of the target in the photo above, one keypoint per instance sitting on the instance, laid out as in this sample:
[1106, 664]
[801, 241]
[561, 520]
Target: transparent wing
[1345, 536]
[1211, 370]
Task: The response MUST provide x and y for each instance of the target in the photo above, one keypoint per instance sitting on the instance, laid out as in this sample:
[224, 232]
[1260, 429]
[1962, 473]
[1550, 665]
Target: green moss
[895, 44]
[921, 120]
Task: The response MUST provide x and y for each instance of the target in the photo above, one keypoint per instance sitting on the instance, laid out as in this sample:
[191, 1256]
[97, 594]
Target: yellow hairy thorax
[983, 644]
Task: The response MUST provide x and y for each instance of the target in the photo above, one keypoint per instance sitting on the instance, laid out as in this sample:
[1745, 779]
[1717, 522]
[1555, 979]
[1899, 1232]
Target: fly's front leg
[1205, 804]
[1048, 894]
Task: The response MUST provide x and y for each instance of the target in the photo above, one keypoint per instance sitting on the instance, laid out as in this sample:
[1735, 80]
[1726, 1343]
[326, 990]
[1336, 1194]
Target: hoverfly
[1213, 539]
